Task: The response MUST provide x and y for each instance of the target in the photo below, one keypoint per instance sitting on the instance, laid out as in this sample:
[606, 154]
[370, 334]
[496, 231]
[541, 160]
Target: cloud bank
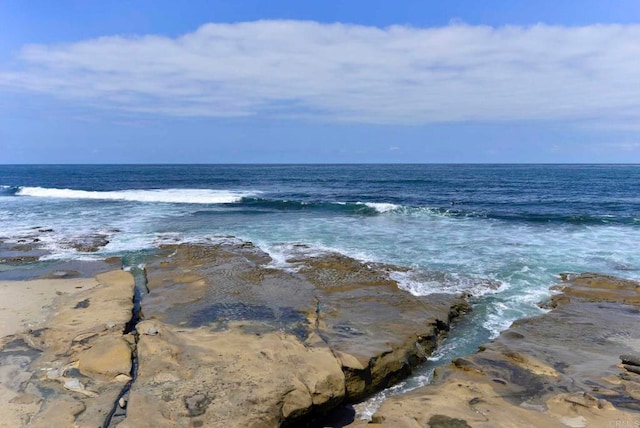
[339, 72]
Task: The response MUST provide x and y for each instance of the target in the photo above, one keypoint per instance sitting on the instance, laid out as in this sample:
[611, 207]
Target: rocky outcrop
[70, 370]
[90, 243]
[29, 248]
[22, 254]
[193, 377]
[561, 369]
[227, 340]
[230, 341]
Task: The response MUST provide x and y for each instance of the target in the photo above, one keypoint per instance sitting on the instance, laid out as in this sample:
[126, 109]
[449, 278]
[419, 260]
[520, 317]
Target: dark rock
[82, 304]
[196, 405]
[466, 364]
[22, 247]
[442, 421]
[88, 244]
[19, 260]
[582, 399]
[475, 400]
[632, 369]
[632, 360]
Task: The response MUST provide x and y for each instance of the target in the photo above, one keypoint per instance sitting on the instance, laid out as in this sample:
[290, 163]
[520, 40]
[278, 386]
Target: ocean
[500, 232]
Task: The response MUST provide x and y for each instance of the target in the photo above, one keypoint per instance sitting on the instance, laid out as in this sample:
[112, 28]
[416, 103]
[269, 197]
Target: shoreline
[345, 351]
[566, 368]
[221, 312]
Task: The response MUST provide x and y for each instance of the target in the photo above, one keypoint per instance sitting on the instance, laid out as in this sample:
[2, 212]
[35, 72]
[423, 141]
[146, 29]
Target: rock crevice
[556, 370]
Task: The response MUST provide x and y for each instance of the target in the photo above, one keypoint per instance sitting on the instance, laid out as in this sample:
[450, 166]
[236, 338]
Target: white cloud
[343, 72]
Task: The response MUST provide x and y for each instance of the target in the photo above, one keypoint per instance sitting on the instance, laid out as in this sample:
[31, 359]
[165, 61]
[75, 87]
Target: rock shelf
[226, 338]
[560, 369]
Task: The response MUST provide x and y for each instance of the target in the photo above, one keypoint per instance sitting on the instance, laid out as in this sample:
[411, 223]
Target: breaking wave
[253, 201]
[174, 196]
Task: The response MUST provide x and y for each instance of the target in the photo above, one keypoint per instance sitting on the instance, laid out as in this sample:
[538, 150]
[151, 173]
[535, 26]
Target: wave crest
[175, 196]
[381, 207]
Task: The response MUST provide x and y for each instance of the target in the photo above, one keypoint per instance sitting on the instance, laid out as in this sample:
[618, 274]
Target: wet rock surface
[21, 259]
[230, 341]
[561, 369]
[18, 254]
[29, 248]
[23, 249]
[88, 243]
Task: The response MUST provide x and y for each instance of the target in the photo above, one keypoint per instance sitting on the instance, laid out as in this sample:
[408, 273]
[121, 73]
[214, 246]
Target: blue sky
[332, 81]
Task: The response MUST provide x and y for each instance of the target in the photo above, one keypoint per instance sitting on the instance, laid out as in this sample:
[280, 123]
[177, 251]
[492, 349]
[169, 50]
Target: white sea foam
[280, 255]
[381, 207]
[496, 319]
[283, 255]
[423, 284]
[178, 196]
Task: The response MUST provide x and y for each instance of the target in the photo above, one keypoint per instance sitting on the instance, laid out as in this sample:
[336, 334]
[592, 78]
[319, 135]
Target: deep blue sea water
[502, 232]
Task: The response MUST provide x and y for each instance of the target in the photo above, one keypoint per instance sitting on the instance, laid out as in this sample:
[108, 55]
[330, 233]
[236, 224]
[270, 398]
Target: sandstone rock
[61, 413]
[228, 341]
[146, 411]
[26, 399]
[227, 378]
[108, 356]
[150, 330]
[582, 399]
[122, 378]
[554, 370]
[74, 357]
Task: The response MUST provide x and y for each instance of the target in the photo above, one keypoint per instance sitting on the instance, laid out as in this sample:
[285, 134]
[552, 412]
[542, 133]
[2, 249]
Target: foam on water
[283, 255]
[497, 320]
[423, 284]
[381, 207]
[176, 196]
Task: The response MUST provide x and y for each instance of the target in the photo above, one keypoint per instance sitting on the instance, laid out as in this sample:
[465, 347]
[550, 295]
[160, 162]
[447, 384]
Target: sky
[286, 81]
